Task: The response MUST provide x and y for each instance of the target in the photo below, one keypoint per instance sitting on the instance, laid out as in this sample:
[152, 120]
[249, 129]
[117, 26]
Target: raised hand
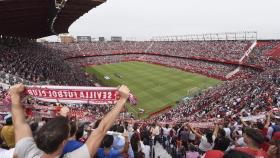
[17, 89]
[124, 92]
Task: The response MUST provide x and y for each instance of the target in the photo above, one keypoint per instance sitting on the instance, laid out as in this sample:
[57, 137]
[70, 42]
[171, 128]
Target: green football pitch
[154, 86]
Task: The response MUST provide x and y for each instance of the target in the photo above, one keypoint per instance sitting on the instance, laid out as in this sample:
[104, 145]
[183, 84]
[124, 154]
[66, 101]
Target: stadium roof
[40, 18]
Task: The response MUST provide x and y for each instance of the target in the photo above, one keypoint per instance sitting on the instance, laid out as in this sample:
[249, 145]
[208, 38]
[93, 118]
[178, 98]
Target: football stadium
[75, 82]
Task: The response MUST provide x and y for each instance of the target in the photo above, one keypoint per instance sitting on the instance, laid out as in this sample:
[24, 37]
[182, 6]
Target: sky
[143, 19]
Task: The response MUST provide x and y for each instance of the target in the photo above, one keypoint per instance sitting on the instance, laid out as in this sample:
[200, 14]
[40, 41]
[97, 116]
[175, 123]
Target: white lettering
[91, 95]
[44, 93]
[50, 93]
[60, 94]
[109, 95]
[76, 95]
[54, 94]
[104, 96]
[99, 95]
[82, 95]
[70, 94]
[65, 94]
[86, 95]
[40, 93]
[35, 92]
[30, 91]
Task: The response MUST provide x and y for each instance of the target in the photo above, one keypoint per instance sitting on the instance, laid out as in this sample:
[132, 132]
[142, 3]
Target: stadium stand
[217, 50]
[36, 63]
[250, 92]
[259, 54]
[240, 117]
[275, 52]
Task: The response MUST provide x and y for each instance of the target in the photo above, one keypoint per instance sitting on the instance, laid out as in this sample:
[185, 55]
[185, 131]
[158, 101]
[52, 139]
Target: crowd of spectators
[36, 63]
[216, 50]
[226, 133]
[229, 52]
[219, 50]
[99, 48]
[257, 94]
[259, 54]
[108, 137]
[10, 79]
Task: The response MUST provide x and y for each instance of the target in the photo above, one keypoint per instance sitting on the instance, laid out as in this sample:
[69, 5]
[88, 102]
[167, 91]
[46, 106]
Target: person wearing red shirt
[274, 149]
[253, 138]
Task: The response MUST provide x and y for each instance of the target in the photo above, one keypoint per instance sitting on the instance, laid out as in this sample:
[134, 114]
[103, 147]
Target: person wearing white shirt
[7, 153]
[207, 140]
[145, 148]
[155, 132]
[166, 131]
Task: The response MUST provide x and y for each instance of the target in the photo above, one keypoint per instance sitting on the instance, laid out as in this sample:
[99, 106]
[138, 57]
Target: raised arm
[243, 122]
[22, 129]
[98, 134]
[268, 120]
[195, 132]
[215, 133]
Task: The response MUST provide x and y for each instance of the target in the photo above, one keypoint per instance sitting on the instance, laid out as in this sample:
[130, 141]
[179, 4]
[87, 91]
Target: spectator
[214, 154]
[207, 140]
[253, 138]
[108, 152]
[145, 147]
[26, 147]
[237, 154]
[72, 144]
[192, 152]
[8, 133]
[274, 150]
[221, 142]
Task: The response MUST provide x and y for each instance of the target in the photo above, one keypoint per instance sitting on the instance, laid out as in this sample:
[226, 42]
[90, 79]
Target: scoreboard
[101, 39]
[83, 38]
[116, 38]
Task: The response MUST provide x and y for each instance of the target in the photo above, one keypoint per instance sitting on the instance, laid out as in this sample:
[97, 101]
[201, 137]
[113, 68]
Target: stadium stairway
[160, 152]
[247, 53]
[275, 52]
[235, 71]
